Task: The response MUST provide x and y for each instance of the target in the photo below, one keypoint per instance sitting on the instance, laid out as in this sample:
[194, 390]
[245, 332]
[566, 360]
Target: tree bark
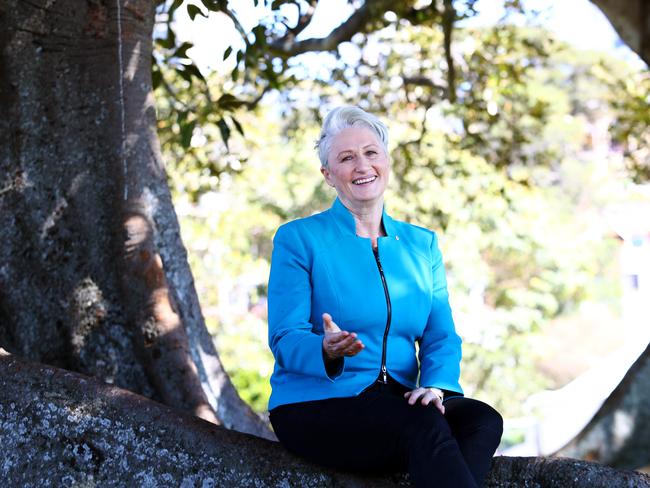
[631, 20]
[60, 428]
[78, 153]
[619, 433]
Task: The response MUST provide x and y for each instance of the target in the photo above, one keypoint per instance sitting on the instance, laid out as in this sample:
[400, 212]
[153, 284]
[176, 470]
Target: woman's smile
[364, 181]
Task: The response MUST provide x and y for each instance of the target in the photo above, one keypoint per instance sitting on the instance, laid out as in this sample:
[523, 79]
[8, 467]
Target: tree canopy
[496, 169]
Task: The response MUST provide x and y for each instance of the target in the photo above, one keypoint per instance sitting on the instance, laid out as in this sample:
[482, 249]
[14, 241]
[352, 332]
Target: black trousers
[378, 431]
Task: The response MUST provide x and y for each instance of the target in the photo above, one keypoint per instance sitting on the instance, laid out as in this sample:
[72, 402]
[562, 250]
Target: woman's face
[357, 166]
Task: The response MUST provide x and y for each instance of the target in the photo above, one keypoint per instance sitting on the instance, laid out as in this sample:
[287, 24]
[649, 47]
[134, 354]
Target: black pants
[378, 431]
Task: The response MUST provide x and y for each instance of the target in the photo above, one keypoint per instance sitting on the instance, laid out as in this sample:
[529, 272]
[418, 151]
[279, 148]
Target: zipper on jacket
[383, 376]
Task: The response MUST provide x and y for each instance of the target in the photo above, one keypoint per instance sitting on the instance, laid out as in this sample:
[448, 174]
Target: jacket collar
[345, 220]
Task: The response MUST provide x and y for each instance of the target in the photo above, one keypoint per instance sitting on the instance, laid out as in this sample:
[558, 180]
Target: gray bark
[78, 147]
[60, 428]
[631, 19]
[619, 433]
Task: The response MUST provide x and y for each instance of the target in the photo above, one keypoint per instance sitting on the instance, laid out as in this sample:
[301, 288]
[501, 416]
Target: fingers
[438, 404]
[329, 325]
[355, 348]
[342, 344]
[338, 343]
[425, 396]
[342, 338]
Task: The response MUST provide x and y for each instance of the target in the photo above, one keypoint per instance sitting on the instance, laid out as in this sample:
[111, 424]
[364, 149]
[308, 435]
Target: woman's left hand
[426, 396]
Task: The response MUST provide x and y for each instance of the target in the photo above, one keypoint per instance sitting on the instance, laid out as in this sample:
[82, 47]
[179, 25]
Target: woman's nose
[362, 163]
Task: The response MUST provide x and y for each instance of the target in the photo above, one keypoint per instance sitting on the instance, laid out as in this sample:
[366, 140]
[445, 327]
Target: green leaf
[228, 101]
[194, 71]
[227, 53]
[214, 5]
[181, 51]
[225, 132]
[156, 78]
[259, 32]
[193, 11]
[183, 73]
[238, 126]
[186, 133]
[181, 116]
[169, 41]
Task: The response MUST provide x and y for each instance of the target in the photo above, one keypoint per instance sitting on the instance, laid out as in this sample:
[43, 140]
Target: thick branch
[359, 22]
[540, 472]
[631, 19]
[619, 433]
[73, 429]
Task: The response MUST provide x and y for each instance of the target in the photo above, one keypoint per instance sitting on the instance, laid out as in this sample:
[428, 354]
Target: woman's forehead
[354, 137]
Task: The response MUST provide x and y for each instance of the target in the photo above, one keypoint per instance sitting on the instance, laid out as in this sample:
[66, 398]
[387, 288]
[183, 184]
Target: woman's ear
[326, 175]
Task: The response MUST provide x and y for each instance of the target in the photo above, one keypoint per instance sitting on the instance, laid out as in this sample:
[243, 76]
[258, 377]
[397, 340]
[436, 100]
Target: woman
[351, 292]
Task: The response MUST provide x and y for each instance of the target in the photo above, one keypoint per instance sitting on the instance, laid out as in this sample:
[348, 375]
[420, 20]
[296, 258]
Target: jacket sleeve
[440, 346]
[295, 346]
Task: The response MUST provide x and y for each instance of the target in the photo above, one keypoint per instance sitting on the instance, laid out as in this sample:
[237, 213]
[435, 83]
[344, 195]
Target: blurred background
[530, 160]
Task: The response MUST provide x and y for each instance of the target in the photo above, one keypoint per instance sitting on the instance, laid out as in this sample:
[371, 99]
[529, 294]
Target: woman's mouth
[364, 181]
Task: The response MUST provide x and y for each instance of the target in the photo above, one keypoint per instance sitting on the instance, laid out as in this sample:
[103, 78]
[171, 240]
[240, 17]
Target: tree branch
[75, 430]
[358, 22]
[631, 20]
[448, 18]
[304, 19]
[242, 32]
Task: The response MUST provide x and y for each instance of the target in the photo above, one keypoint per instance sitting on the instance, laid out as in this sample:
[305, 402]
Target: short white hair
[343, 118]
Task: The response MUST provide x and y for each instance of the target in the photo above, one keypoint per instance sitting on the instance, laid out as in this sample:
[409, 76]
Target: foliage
[500, 173]
[630, 97]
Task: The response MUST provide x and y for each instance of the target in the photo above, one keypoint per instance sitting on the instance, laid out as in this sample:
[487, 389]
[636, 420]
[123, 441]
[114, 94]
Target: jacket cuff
[333, 368]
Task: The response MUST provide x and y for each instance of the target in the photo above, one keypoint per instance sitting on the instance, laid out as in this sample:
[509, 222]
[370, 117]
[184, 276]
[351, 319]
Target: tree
[87, 216]
[93, 274]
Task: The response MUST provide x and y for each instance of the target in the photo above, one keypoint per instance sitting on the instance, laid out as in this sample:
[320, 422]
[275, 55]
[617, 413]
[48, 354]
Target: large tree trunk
[619, 433]
[631, 19]
[60, 428]
[93, 274]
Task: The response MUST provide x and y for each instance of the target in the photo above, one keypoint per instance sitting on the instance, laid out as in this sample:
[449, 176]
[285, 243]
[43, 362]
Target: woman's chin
[371, 192]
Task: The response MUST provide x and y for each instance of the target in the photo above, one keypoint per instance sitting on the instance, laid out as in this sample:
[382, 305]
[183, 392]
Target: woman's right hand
[338, 343]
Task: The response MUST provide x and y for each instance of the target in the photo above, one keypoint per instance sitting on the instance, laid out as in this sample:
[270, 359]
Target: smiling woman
[358, 168]
[351, 292]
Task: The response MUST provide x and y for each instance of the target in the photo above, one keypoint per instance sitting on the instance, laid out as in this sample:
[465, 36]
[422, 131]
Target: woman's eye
[346, 158]
[371, 153]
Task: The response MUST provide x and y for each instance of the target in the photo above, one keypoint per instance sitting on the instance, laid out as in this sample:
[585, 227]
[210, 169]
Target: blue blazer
[320, 265]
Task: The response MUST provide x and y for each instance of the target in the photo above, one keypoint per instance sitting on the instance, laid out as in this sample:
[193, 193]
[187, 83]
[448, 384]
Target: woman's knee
[488, 417]
[471, 415]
